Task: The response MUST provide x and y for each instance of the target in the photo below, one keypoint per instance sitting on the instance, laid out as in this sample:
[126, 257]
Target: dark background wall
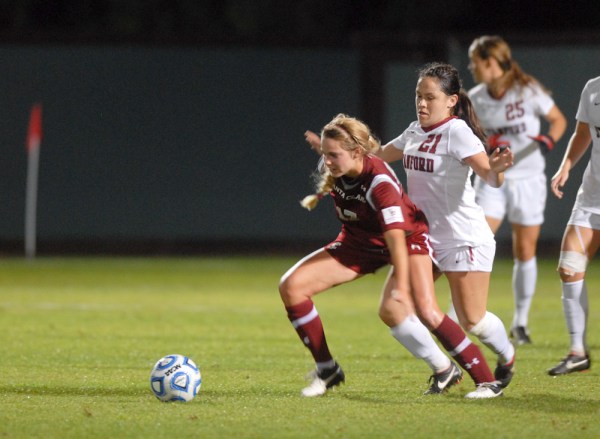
[172, 144]
[174, 125]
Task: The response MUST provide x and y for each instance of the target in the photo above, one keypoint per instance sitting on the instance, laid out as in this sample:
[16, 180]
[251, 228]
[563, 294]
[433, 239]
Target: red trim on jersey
[439, 124]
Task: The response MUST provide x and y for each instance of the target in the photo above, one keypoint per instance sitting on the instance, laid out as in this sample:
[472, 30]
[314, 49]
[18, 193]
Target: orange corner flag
[34, 132]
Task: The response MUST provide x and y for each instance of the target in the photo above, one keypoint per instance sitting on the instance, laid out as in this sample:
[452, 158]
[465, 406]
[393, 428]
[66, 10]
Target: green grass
[78, 338]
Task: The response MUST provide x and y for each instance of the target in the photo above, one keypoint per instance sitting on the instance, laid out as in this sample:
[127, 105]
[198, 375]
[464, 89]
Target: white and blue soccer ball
[175, 378]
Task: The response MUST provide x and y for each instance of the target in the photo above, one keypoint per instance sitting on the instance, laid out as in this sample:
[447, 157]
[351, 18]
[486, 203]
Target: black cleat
[440, 382]
[571, 363]
[520, 335]
[504, 373]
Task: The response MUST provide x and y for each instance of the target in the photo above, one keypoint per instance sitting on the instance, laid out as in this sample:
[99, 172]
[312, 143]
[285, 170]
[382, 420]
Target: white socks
[523, 283]
[490, 330]
[415, 337]
[575, 307]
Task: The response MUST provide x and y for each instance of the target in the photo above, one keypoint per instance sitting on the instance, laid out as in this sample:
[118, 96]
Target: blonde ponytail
[324, 186]
[310, 201]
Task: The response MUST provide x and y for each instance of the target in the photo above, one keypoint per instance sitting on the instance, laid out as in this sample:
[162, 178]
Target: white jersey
[588, 196]
[515, 116]
[438, 182]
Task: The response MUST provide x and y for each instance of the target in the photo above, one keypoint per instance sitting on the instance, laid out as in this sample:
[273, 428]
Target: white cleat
[486, 390]
[323, 381]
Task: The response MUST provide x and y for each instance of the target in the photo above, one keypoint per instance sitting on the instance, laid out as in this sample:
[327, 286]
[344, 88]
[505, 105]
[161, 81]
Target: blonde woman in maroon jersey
[380, 226]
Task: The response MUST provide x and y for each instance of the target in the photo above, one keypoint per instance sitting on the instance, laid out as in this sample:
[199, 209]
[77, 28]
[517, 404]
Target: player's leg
[470, 292]
[493, 201]
[313, 274]
[446, 330]
[524, 278]
[397, 312]
[525, 211]
[580, 243]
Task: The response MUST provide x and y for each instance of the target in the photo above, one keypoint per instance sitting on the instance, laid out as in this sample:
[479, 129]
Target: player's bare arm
[390, 153]
[314, 140]
[557, 122]
[578, 145]
[396, 242]
[491, 169]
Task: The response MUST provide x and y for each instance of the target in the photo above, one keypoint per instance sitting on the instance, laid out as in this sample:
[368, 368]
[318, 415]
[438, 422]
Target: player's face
[339, 161]
[480, 69]
[433, 105]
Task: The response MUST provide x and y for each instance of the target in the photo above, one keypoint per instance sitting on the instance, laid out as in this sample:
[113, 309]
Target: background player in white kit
[439, 152]
[509, 103]
[581, 239]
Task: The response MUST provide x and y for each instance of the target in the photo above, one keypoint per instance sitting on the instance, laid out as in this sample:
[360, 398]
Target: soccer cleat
[520, 334]
[485, 390]
[324, 380]
[440, 382]
[571, 363]
[504, 373]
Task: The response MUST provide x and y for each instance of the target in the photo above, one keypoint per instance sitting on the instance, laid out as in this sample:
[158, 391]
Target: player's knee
[287, 287]
[392, 312]
[480, 327]
[387, 313]
[430, 318]
[570, 263]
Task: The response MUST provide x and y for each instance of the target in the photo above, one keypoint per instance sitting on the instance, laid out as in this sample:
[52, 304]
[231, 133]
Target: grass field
[78, 338]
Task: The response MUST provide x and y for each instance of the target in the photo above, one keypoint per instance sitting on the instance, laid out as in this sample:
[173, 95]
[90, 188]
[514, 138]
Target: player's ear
[452, 101]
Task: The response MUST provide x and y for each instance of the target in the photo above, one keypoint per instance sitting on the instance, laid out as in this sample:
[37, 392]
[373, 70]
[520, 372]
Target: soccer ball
[175, 378]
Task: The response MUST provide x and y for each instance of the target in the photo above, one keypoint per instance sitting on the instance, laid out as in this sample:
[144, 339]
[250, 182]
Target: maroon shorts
[365, 260]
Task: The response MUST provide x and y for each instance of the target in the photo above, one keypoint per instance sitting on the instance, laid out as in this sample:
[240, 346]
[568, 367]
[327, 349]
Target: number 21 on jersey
[430, 144]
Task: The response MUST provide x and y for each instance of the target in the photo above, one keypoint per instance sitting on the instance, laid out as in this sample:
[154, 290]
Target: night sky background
[276, 22]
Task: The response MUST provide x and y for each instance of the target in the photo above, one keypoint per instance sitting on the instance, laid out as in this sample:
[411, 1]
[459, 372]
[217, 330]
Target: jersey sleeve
[385, 196]
[400, 141]
[463, 142]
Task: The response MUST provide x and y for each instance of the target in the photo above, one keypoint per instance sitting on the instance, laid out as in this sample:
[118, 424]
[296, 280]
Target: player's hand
[501, 159]
[496, 141]
[313, 140]
[544, 142]
[558, 181]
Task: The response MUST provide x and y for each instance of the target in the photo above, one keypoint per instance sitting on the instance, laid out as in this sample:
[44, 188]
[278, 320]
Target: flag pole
[34, 139]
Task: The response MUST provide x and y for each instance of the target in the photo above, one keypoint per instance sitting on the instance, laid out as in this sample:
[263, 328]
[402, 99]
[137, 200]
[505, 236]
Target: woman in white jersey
[581, 239]
[509, 104]
[439, 152]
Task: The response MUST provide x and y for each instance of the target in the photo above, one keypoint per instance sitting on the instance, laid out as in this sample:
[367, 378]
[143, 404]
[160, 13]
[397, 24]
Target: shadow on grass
[552, 403]
[71, 391]
[545, 403]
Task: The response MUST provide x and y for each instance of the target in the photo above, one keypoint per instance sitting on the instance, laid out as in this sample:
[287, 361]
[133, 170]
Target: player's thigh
[469, 291]
[581, 240]
[582, 233]
[313, 274]
[423, 290]
[525, 240]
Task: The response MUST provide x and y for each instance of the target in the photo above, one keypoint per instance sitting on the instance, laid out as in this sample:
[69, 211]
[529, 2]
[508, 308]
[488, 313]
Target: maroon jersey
[373, 203]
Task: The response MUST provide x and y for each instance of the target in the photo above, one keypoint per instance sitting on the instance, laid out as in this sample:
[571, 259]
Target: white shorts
[480, 258]
[522, 200]
[583, 218]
